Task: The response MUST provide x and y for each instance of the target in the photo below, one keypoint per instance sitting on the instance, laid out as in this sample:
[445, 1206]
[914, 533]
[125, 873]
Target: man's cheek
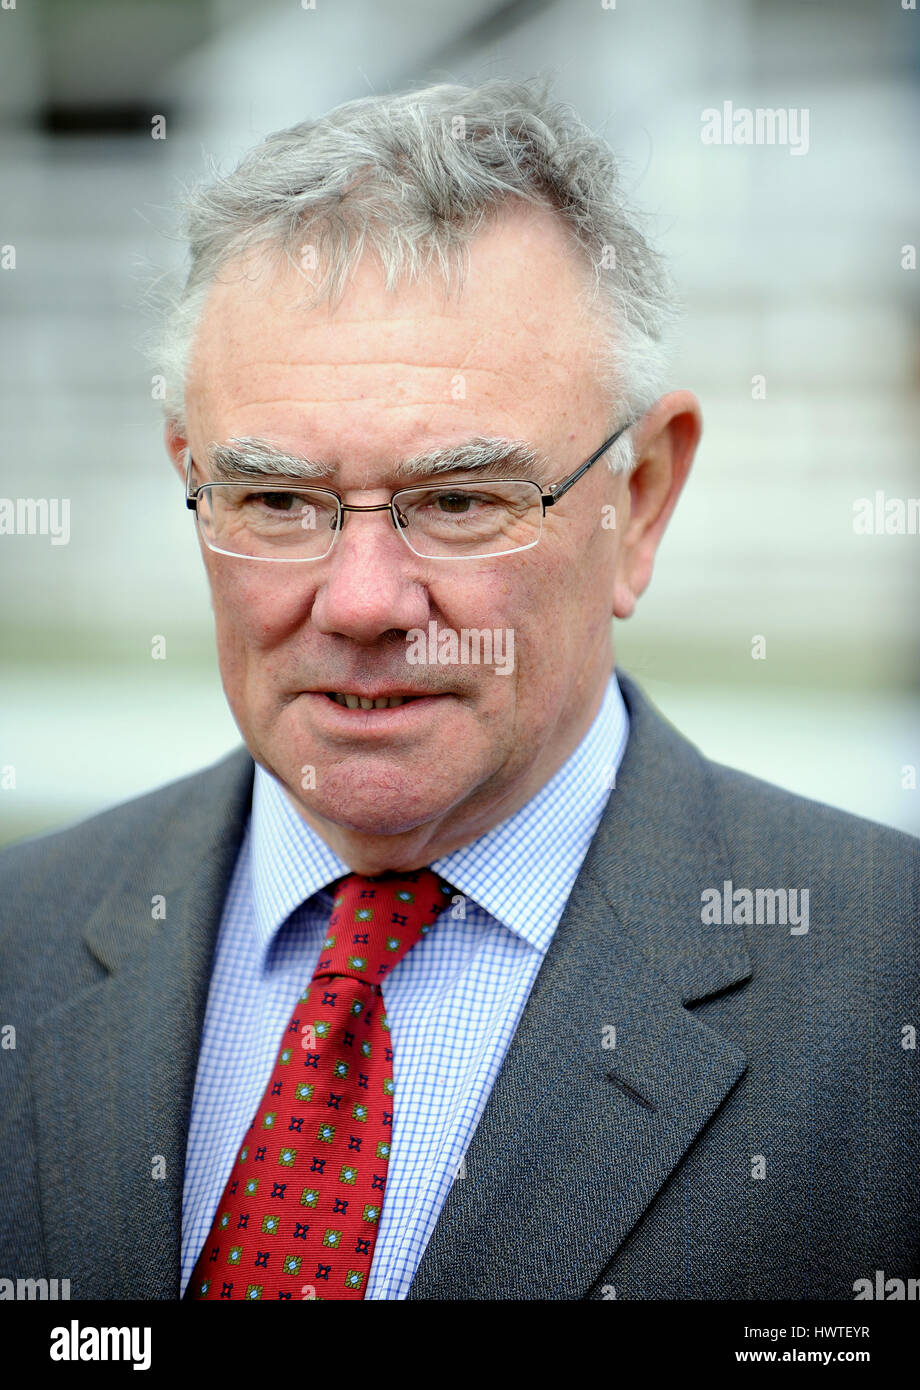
[255, 617]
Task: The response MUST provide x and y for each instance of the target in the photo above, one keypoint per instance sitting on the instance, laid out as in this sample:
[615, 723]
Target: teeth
[360, 702]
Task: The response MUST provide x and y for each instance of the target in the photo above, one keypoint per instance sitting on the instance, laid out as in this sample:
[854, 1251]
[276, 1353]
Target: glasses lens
[471, 520]
[269, 525]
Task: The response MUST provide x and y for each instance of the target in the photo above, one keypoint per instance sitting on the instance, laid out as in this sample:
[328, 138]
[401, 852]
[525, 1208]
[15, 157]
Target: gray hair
[413, 176]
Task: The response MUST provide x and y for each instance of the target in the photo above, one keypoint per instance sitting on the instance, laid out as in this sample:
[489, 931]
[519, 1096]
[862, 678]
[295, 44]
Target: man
[469, 977]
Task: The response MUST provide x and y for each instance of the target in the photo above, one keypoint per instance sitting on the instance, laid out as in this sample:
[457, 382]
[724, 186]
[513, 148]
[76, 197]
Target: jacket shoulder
[79, 845]
[60, 875]
[760, 812]
[860, 880]
[57, 888]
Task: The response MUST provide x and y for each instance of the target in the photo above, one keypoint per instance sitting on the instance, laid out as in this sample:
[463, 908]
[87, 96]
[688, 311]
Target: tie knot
[376, 921]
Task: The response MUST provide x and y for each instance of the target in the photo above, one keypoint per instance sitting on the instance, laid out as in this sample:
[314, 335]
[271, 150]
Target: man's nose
[371, 581]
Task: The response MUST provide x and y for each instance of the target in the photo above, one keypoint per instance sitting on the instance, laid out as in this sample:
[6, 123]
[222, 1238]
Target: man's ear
[665, 442]
[176, 444]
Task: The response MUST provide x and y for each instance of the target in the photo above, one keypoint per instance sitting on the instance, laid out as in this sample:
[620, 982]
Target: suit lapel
[577, 1138]
[112, 1129]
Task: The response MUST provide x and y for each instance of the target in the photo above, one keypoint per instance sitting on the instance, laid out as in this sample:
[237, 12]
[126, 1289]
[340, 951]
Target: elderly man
[468, 977]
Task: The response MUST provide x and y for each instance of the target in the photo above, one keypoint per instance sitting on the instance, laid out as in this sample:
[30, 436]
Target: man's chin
[374, 806]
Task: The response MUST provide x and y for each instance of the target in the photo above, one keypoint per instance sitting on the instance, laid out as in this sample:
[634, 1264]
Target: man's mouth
[365, 702]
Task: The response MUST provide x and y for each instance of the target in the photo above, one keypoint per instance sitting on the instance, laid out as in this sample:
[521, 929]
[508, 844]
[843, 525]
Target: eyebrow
[247, 457]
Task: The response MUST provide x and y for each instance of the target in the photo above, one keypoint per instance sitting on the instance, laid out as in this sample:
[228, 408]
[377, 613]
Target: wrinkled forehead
[503, 348]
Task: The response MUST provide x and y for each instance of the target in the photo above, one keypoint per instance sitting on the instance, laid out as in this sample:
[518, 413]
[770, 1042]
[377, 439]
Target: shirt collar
[289, 861]
[521, 871]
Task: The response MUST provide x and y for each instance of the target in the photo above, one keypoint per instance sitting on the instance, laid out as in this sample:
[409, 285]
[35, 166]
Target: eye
[456, 503]
[274, 501]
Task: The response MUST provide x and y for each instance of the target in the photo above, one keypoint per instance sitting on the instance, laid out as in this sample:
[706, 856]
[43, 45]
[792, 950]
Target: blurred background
[800, 338]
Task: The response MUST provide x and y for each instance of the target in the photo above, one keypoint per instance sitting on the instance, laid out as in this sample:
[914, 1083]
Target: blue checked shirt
[453, 1003]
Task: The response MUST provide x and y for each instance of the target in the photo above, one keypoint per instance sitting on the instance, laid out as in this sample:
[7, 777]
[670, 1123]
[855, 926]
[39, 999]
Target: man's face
[384, 377]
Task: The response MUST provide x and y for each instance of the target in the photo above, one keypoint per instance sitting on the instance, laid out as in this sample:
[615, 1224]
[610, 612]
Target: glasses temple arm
[560, 489]
[190, 497]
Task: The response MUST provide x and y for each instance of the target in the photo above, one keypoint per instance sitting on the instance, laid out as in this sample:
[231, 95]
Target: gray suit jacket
[688, 1109]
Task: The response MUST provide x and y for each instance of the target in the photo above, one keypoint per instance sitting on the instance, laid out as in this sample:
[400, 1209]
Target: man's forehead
[399, 384]
[408, 365]
[522, 284]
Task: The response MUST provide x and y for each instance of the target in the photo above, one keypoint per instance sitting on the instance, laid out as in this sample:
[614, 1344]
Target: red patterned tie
[300, 1212]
